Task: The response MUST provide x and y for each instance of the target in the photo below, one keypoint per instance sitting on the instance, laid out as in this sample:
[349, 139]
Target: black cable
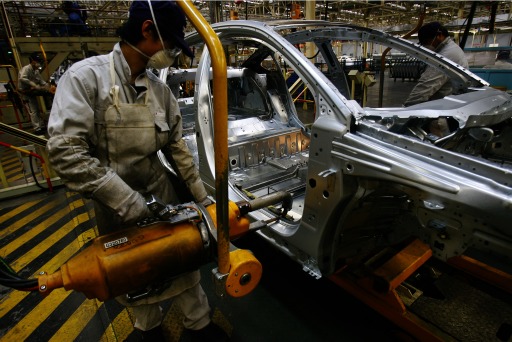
[9, 278]
[29, 289]
[316, 54]
[20, 284]
[5, 267]
[460, 28]
[492, 18]
[17, 282]
[8, 275]
[27, 285]
[469, 20]
[33, 173]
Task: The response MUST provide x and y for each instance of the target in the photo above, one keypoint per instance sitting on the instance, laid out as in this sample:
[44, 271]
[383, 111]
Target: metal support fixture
[379, 290]
[468, 24]
[13, 96]
[10, 36]
[219, 68]
[483, 271]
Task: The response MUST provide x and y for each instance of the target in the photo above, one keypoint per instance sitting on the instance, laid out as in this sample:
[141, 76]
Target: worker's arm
[183, 163]
[30, 79]
[180, 157]
[72, 136]
[24, 81]
[429, 83]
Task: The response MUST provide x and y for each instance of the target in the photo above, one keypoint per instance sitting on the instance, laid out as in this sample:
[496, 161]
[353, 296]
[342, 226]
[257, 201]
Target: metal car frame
[361, 178]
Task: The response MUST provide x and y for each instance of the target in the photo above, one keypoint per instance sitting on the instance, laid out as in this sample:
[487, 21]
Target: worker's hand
[206, 202]
[158, 208]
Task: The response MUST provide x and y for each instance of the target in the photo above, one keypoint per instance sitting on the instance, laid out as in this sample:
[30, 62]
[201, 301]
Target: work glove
[206, 201]
[158, 208]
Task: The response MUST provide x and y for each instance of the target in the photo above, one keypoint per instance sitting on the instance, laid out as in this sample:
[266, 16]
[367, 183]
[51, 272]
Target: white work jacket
[434, 84]
[113, 159]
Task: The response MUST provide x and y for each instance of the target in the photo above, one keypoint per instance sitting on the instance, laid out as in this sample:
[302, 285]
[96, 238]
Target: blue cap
[169, 17]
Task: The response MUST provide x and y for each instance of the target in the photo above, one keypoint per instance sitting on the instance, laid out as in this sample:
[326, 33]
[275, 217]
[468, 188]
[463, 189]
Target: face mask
[432, 42]
[163, 58]
[160, 60]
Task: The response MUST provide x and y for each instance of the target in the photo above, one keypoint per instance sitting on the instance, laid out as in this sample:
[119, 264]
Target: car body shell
[362, 178]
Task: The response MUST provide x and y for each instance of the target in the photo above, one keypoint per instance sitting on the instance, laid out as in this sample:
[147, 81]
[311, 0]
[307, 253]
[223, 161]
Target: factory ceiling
[35, 18]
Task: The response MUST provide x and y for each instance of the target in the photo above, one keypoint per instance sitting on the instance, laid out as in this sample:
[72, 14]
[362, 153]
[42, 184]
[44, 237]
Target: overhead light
[395, 6]
[351, 12]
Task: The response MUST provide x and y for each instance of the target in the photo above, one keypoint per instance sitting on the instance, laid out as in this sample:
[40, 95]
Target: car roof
[299, 31]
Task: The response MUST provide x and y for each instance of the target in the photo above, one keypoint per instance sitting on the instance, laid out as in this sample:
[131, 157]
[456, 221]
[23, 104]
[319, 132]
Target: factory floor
[40, 232]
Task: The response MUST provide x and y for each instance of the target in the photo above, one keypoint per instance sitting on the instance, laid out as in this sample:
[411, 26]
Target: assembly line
[179, 166]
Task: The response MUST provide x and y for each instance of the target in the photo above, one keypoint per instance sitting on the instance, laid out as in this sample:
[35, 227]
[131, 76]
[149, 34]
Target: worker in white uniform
[110, 117]
[434, 84]
[502, 61]
[31, 85]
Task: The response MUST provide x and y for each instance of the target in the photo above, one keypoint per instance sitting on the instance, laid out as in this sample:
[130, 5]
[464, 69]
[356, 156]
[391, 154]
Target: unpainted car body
[361, 178]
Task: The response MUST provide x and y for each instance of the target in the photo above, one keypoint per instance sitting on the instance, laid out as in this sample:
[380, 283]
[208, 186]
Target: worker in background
[434, 84]
[30, 86]
[110, 117]
[503, 61]
[76, 19]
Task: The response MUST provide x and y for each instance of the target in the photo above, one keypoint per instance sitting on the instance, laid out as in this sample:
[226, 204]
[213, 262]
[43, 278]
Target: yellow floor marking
[10, 159]
[77, 321]
[120, 328]
[8, 302]
[34, 318]
[47, 243]
[109, 335]
[222, 321]
[13, 176]
[28, 218]
[12, 164]
[11, 170]
[77, 204]
[21, 240]
[172, 323]
[18, 210]
[64, 255]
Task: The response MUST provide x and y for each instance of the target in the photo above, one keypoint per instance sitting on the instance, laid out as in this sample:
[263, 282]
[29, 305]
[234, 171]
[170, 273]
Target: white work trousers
[34, 112]
[192, 302]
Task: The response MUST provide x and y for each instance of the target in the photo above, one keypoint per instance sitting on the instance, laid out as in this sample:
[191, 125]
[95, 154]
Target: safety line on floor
[41, 235]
